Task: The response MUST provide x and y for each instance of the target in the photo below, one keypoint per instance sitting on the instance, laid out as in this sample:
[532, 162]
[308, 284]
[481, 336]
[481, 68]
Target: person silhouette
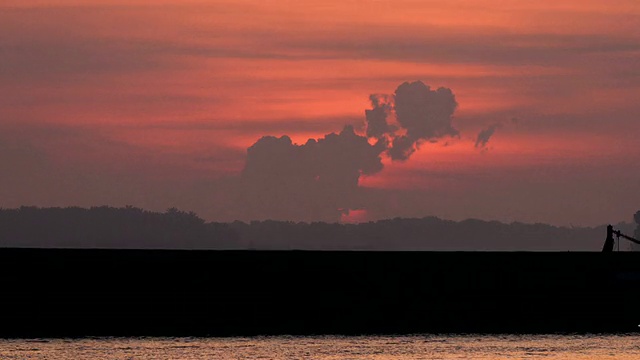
[609, 242]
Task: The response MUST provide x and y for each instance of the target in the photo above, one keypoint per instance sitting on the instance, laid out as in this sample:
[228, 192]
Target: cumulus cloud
[377, 125]
[319, 180]
[485, 134]
[316, 180]
[421, 114]
[401, 148]
[425, 113]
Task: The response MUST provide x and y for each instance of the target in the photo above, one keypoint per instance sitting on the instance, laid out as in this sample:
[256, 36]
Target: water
[331, 347]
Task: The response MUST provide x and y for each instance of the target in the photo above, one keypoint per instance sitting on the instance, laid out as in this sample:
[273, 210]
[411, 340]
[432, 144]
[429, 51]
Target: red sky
[154, 103]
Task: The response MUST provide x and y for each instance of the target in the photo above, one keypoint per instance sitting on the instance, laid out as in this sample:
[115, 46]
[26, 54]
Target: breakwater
[66, 292]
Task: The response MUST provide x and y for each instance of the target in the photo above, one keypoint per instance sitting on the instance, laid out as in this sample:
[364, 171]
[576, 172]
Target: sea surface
[331, 347]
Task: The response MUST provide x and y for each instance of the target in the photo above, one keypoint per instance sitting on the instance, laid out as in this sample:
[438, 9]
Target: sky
[498, 110]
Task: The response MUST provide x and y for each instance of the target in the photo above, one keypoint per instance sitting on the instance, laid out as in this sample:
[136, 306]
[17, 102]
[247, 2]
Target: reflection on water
[332, 347]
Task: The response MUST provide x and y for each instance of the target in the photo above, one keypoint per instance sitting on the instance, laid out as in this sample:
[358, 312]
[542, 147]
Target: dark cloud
[422, 114]
[377, 125]
[485, 134]
[314, 181]
[401, 148]
[425, 113]
[319, 179]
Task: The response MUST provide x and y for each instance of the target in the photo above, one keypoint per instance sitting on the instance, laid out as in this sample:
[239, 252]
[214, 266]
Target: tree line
[134, 228]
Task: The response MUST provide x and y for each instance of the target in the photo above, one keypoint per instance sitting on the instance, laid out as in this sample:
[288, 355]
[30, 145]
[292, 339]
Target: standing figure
[636, 217]
[608, 244]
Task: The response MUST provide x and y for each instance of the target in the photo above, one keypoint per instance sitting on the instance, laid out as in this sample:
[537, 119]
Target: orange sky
[173, 92]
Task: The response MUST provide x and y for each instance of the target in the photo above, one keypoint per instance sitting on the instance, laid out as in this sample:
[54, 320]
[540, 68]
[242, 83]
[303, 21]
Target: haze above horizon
[497, 110]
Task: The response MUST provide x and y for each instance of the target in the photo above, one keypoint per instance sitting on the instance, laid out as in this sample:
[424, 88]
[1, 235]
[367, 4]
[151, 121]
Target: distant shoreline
[134, 228]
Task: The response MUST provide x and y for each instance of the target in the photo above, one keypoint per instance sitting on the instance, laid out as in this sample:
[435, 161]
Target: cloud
[485, 134]
[377, 125]
[425, 114]
[314, 181]
[421, 114]
[401, 148]
[319, 180]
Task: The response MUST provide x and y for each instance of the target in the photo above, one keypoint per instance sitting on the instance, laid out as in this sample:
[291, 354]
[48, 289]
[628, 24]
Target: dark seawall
[55, 293]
